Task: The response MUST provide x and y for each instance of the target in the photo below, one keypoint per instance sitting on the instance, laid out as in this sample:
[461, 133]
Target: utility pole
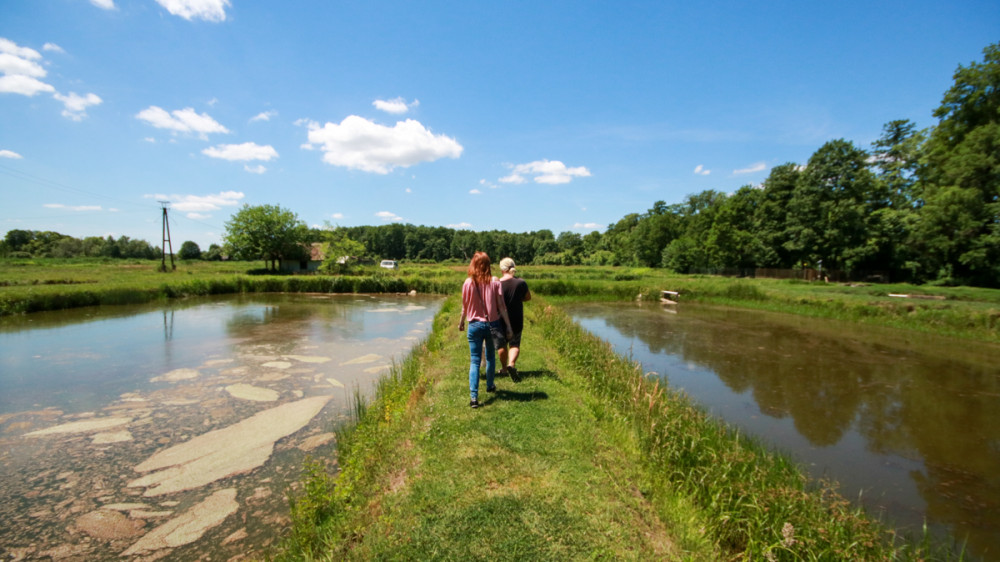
[166, 239]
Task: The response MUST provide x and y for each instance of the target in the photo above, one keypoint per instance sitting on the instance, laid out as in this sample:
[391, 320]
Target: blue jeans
[478, 334]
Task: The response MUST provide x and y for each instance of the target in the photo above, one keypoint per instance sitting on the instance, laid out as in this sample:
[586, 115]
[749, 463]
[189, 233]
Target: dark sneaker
[514, 375]
[491, 389]
[473, 403]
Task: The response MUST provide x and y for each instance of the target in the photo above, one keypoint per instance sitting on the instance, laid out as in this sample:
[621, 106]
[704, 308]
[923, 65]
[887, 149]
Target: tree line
[47, 244]
[917, 205]
[19, 243]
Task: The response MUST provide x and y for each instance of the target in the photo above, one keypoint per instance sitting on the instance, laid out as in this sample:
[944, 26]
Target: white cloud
[10, 154]
[20, 72]
[360, 144]
[72, 208]
[242, 152]
[590, 225]
[488, 184]
[460, 226]
[200, 203]
[758, 167]
[208, 10]
[701, 171]
[198, 216]
[512, 178]
[184, 120]
[475, 191]
[24, 85]
[396, 106]
[545, 171]
[13, 64]
[337, 216]
[388, 217]
[76, 106]
[263, 116]
[11, 48]
[258, 169]
[104, 4]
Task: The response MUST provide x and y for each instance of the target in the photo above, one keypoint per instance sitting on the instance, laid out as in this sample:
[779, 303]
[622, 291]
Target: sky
[516, 116]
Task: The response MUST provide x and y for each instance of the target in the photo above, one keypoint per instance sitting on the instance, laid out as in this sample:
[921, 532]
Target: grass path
[529, 475]
[584, 459]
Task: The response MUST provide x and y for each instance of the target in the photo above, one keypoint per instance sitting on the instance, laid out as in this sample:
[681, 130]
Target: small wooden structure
[311, 265]
[669, 297]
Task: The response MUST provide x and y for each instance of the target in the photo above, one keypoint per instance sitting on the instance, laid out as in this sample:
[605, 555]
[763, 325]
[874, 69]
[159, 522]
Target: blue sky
[505, 115]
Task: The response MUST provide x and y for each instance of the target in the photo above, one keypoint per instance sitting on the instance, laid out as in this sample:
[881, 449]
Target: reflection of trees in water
[904, 400]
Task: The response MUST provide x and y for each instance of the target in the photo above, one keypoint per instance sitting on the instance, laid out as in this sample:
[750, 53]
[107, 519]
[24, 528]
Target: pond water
[907, 423]
[176, 430]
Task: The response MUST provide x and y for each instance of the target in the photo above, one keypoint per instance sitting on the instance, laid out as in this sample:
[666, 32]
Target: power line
[51, 184]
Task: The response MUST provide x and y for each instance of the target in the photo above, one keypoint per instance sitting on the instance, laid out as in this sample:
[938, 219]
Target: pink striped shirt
[482, 302]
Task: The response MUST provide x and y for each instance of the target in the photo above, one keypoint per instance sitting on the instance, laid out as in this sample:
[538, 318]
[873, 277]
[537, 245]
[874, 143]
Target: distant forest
[921, 206]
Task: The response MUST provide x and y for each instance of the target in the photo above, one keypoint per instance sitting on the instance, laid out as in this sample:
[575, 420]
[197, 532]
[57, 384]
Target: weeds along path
[585, 458]
[529, 475]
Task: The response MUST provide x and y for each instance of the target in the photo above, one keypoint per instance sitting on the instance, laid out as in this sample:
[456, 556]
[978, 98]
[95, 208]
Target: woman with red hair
[483, 306]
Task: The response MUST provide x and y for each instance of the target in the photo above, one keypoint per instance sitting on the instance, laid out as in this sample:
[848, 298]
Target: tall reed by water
[760, 506]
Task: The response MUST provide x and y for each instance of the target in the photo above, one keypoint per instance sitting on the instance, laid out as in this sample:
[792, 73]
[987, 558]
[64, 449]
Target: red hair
[479, 268]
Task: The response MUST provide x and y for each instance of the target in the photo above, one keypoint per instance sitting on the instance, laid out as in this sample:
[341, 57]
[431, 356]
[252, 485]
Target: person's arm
[527, 294]
[461, 322]
[502, 307]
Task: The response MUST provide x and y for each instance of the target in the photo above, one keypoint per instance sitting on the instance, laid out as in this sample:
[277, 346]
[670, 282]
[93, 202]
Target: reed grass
[759, 505]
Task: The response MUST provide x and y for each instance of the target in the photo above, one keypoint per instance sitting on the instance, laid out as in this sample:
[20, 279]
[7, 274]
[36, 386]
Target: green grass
[584, 459]
[965, 312]
[38, 285]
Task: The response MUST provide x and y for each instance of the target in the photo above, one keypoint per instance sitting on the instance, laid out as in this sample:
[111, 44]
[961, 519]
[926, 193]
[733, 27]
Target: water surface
[176, 430]
[908, 423]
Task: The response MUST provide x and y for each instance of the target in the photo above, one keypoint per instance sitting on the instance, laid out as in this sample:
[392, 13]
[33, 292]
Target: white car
[389, 264]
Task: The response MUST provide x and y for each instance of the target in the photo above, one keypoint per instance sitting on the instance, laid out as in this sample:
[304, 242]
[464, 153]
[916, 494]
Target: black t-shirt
[514, 290]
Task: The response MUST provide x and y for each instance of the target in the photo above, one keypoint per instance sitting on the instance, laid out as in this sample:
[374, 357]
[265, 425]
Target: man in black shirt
[515, 292]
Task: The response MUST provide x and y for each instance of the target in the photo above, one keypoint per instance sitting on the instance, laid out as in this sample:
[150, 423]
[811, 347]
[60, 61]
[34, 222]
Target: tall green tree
[959, 229]
[339, 250]
[827, 210]
[619, 241]
[771, 217]
[687, 252]
[896, 156]
[656, 228]
[189, 251]
[266, 232]
[891, 228]
[731, 242]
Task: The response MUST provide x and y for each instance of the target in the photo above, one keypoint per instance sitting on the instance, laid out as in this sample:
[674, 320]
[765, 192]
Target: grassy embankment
[584, 459]
[38, 285]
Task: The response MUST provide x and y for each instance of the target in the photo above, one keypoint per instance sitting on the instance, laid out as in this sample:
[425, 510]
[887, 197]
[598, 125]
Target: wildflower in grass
[788, 535]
